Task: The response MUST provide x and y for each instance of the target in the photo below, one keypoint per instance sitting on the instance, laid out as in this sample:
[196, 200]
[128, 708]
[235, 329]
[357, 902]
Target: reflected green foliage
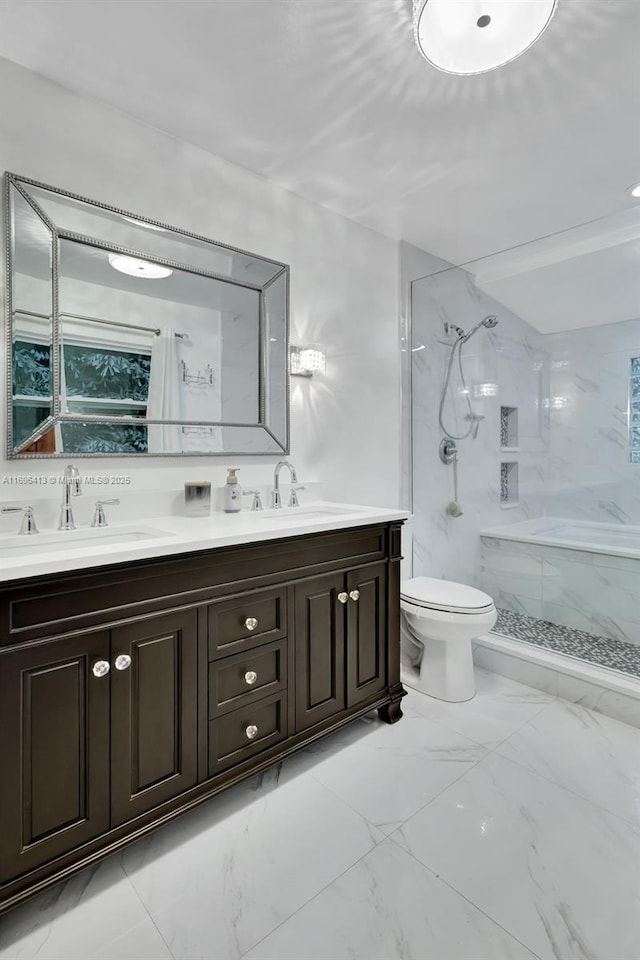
[104, 438]
[93, 373]
[87, 370]
[26, 419]
[31, 369]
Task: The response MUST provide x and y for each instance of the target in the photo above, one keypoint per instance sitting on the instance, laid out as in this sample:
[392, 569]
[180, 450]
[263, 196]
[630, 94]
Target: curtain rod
[111, 323]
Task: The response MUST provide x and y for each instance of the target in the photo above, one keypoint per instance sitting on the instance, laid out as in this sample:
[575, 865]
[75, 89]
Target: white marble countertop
[53, 551]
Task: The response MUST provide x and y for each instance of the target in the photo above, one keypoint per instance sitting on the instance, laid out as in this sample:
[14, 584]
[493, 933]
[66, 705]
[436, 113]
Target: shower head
[489, 322]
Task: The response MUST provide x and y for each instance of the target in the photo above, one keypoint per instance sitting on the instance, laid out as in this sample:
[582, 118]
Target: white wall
[344, 282]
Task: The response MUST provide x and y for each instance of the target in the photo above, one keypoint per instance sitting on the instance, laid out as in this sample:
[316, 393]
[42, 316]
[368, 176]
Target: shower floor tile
[614, 654]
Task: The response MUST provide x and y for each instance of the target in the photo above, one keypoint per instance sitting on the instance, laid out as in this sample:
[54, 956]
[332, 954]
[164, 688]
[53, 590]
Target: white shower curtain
[164, 393]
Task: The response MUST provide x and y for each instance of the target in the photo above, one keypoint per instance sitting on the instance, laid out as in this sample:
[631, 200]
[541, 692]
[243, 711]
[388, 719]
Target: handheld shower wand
[489, 322]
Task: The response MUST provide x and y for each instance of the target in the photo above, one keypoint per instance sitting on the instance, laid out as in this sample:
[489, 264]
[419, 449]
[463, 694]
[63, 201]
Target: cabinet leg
[390, 712]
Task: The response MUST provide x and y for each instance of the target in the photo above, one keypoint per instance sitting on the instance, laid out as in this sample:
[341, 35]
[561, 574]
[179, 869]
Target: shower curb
[601, 689]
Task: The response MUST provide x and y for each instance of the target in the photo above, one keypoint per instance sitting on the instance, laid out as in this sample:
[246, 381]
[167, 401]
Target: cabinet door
[54, 743]
[366, 633]
[153, 712]
[319, 642]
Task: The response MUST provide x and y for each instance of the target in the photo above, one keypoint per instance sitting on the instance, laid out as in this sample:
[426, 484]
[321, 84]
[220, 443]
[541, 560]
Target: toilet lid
[444, 595]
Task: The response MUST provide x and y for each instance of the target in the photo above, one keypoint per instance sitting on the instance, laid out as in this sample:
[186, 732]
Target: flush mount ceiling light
[634, 190]
[472, 36]
[138, 268]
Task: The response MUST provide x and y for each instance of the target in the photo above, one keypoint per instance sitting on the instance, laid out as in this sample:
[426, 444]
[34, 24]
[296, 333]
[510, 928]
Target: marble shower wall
[506, 366]
[589, 476]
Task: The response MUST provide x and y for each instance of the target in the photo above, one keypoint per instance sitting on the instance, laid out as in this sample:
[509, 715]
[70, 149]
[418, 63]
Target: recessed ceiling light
[634, 190]
[471, 36]
[138, 268]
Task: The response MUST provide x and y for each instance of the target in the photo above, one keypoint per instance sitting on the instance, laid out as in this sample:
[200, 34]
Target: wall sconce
[305, 361]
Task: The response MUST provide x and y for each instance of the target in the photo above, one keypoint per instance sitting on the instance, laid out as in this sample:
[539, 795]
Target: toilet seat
[445, 596]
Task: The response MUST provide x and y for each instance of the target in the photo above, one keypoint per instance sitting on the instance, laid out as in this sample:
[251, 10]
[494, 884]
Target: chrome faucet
[276, 498]
[71, 488]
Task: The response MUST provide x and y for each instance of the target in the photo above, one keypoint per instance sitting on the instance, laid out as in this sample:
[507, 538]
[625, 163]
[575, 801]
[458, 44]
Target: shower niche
[509, 496]
[509, 438]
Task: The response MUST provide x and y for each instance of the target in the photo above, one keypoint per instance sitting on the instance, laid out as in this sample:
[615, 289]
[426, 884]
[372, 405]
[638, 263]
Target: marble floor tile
[140, 943]
[389, 907]
[388, 772]
[619, 705]
[75, 919]
[499, 708]
[596, 757]
[559, 873]
[250, 859]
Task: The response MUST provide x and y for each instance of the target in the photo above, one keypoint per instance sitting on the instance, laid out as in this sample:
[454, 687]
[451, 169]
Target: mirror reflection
[173, 346]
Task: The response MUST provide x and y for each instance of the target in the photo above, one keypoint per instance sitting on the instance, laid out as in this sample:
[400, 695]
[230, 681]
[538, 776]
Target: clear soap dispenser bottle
[232, 492]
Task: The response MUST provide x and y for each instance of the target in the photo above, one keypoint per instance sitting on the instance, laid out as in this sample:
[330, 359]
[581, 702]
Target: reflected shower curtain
[164, 393]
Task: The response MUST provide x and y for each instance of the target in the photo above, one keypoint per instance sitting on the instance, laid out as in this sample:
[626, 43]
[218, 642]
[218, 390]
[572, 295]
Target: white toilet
[439, 620]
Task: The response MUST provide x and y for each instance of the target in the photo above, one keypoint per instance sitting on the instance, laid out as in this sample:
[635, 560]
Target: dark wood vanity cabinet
[132, 693]
[341, 634]
[154, 720]
[94, 730]
[54, 744]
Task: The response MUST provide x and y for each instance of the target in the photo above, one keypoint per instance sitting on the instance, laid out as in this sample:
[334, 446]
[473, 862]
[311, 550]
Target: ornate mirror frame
[263, 437]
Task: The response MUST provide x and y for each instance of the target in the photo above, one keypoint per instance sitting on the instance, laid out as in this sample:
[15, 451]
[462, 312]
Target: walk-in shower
[472, 417]
[548, 503]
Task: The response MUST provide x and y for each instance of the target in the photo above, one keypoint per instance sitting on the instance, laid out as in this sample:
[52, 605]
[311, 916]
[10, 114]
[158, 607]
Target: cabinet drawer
[246, 621]
[239, 735]
[245, 677]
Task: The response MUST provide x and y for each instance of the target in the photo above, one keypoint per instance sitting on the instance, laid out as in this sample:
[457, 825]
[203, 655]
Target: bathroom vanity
[135, 686]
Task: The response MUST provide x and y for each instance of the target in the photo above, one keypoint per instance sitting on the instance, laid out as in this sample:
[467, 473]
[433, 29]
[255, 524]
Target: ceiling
[331, 99]
[583, 277]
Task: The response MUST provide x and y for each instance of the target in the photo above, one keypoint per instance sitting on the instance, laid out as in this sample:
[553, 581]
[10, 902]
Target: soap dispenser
[232, 492]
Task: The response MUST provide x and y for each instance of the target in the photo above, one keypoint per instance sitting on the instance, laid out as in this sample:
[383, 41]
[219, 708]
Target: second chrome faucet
[276, 499]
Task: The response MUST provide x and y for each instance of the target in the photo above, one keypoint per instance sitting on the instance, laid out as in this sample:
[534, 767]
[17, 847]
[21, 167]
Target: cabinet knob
[343, 596]
[123, 661]
[251, 731]
[251, 623]
[101, 668]
[354, 594]
[250, 677]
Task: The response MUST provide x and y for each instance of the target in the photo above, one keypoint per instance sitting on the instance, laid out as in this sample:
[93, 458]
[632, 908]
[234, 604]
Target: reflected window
[31, 387]
[106, 382]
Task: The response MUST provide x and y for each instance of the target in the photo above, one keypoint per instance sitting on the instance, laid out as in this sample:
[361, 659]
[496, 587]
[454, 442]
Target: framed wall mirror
[128, 337]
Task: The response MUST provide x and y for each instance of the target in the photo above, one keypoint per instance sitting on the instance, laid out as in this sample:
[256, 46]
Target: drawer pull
[251, 623]
[123, 661]
[343, 596]
[354, 594]
[101, 668]
[251, 731]
[250, 677]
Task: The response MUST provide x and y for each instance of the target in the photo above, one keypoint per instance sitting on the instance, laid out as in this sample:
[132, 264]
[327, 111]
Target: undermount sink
[25, 546]
[308, 513]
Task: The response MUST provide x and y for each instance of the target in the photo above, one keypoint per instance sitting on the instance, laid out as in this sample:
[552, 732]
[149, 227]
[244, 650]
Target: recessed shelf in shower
[509, 439]
[509, 484]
